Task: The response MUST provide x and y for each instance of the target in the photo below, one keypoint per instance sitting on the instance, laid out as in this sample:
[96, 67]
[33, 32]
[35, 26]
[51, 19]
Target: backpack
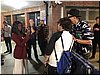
[65, 63]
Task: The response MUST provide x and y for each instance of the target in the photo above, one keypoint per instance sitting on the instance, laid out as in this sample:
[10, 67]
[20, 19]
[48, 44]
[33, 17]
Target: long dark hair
[15, 28]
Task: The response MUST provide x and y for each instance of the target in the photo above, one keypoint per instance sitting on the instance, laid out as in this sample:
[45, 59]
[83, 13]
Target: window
[35, 16]
[87, 13]
[83, 15]
[20, 17]
[93, 14]
[8, 19]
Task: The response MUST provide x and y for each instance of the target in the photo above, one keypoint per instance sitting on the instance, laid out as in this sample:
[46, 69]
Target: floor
[35, 67]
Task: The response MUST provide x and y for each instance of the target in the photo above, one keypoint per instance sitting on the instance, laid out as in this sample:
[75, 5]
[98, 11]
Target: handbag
[65, 63]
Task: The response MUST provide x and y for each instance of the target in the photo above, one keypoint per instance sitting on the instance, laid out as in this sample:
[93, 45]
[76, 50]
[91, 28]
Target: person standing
[96, 40]
[20, 53]
[32, 41]
[42, 36]
[7, 37]
[82, 32]
[64, 25]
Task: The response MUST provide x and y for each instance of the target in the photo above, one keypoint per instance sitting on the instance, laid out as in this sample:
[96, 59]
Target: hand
[28, 32]
[74, 38]
[97, 29]
[46, 60]
[32, 30]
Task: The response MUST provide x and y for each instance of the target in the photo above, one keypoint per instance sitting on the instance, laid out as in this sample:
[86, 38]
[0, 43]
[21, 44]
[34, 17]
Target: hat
[73, 12]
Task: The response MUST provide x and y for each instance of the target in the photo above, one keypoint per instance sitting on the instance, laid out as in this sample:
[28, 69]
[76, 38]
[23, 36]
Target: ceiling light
[17, 4]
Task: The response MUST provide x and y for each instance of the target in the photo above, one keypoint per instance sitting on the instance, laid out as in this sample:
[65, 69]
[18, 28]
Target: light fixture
[17, 4]
[58, 2]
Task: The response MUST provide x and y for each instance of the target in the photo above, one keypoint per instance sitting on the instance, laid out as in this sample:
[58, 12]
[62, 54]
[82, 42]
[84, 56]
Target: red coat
[20, 48]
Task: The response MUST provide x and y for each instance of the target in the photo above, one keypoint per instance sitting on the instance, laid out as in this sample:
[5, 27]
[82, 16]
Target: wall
[25, 11]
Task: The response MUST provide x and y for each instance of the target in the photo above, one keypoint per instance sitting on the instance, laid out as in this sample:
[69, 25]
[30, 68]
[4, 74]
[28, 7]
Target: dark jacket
[32, 39]
[96, 33]
[43, 32]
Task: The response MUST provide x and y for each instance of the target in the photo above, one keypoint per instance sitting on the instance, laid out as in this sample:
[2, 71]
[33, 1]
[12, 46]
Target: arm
[16, 39]
[51, 46]
[86, 36]
[82, 41]
[88, 42]
[9, 29]
[95, 28]
[49, 49]
[27, 37]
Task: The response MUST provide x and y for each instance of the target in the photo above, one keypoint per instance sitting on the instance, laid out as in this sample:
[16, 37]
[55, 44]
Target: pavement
[35, 67]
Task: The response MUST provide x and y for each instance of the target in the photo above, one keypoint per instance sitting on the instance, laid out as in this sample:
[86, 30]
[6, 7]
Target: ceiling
[6, 8]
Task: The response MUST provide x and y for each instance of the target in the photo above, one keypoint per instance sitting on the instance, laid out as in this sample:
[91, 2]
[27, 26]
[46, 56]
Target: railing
[82, 66]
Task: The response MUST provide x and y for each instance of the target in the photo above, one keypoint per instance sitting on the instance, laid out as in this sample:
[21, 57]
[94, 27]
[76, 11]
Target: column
[26, 20]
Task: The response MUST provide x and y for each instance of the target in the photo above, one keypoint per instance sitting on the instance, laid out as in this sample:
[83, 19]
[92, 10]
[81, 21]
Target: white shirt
[7, 31]
[67, 40]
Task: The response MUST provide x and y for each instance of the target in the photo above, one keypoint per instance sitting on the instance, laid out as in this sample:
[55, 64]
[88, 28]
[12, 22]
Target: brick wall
[81, 3]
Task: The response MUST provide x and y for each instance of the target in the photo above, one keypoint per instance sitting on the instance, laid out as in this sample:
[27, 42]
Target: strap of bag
[63, 47]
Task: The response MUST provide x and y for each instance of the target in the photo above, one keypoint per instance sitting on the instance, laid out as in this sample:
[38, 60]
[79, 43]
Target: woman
[20, 54]
[64, 25]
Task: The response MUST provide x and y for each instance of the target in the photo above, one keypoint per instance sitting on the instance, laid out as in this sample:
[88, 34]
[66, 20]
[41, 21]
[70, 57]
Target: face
[73, 19]
[31, 22]
[59, 27]
[20, 27]
[97, 21]
[42, 22]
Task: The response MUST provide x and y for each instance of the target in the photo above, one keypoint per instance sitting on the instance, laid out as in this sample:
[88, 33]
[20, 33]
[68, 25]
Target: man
[82, 33]
[42, 36]
[32, 40]
[96, 40]
[7, 37]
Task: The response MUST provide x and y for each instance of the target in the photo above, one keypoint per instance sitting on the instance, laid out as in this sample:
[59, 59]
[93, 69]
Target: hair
[32, 19]
[97, 18]
[41, 20]
[65, 23]
[15, 28]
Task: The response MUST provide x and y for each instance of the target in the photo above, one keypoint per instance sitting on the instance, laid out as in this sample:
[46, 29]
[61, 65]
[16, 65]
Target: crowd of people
[70, 28]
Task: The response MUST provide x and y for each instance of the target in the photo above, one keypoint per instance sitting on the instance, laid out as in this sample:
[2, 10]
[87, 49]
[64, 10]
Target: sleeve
[27, 37]
[47, 31]
[51, 44]
[15, 38]
[9, 29]
[87, 34]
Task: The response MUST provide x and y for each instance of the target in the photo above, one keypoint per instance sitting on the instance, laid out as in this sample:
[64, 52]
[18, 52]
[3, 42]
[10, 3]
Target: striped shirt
[82, 31]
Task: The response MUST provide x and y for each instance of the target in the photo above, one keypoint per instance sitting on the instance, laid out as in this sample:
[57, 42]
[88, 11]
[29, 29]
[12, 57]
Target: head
[31, 22]
[74, 16]
[17, 27]
[97, 20]
[64, 24]
[42, 22]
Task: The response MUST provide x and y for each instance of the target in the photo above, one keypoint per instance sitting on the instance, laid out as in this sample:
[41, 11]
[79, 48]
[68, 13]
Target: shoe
[92, 57]
[6, 52]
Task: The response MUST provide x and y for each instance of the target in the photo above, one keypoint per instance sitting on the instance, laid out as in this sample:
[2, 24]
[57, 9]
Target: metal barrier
[82, 66]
